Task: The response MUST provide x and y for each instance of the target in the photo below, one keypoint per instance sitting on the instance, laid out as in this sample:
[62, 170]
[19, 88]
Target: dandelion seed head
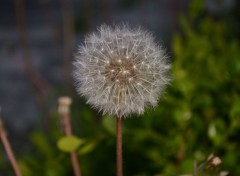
[121, 71]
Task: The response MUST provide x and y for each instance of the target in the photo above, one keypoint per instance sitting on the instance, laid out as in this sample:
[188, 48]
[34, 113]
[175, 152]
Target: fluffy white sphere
[121, 71]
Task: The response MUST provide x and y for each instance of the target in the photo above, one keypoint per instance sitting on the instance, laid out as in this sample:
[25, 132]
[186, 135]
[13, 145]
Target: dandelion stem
[64, 111]
[8, 149]
[73, 155]
[119, 147]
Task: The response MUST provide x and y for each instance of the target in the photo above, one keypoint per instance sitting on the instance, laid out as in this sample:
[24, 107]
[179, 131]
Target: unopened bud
[64, 105]
[216, 161]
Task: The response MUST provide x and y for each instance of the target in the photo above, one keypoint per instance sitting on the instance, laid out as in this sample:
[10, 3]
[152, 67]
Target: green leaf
[69, 143]
[87, 148]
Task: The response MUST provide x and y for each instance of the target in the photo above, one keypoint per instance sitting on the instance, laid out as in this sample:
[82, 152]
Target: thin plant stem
[75, 164]
[68, 38]
[64, 111]
[39, 84]
[9, 151]
[119, 147]
[73, 155]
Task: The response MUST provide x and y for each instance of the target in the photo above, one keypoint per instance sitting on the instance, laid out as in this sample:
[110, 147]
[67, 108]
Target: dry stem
[38, 83]
[64, 111]
[8, 149]
[68, 37]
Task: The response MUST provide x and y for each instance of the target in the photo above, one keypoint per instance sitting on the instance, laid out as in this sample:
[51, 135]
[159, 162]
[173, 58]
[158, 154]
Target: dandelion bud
[216, 161]
[64, 105]
[121, 71]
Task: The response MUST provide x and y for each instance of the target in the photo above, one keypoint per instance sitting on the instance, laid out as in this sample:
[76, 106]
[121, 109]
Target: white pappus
[121, 71]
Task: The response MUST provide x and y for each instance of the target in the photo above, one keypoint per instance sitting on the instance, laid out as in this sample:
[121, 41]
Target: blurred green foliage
[199, 114]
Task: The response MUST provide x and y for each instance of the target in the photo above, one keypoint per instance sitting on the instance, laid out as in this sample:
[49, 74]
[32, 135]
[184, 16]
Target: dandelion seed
[128, 71]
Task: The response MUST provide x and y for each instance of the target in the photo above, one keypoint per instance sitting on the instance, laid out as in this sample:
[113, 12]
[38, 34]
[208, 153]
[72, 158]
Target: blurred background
[199, 113]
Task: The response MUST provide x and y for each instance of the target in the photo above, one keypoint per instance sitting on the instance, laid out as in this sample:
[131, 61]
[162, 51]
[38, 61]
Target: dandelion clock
[121, 71]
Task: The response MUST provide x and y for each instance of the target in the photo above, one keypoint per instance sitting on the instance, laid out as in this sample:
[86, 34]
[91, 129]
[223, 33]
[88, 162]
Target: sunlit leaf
[69, 143]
